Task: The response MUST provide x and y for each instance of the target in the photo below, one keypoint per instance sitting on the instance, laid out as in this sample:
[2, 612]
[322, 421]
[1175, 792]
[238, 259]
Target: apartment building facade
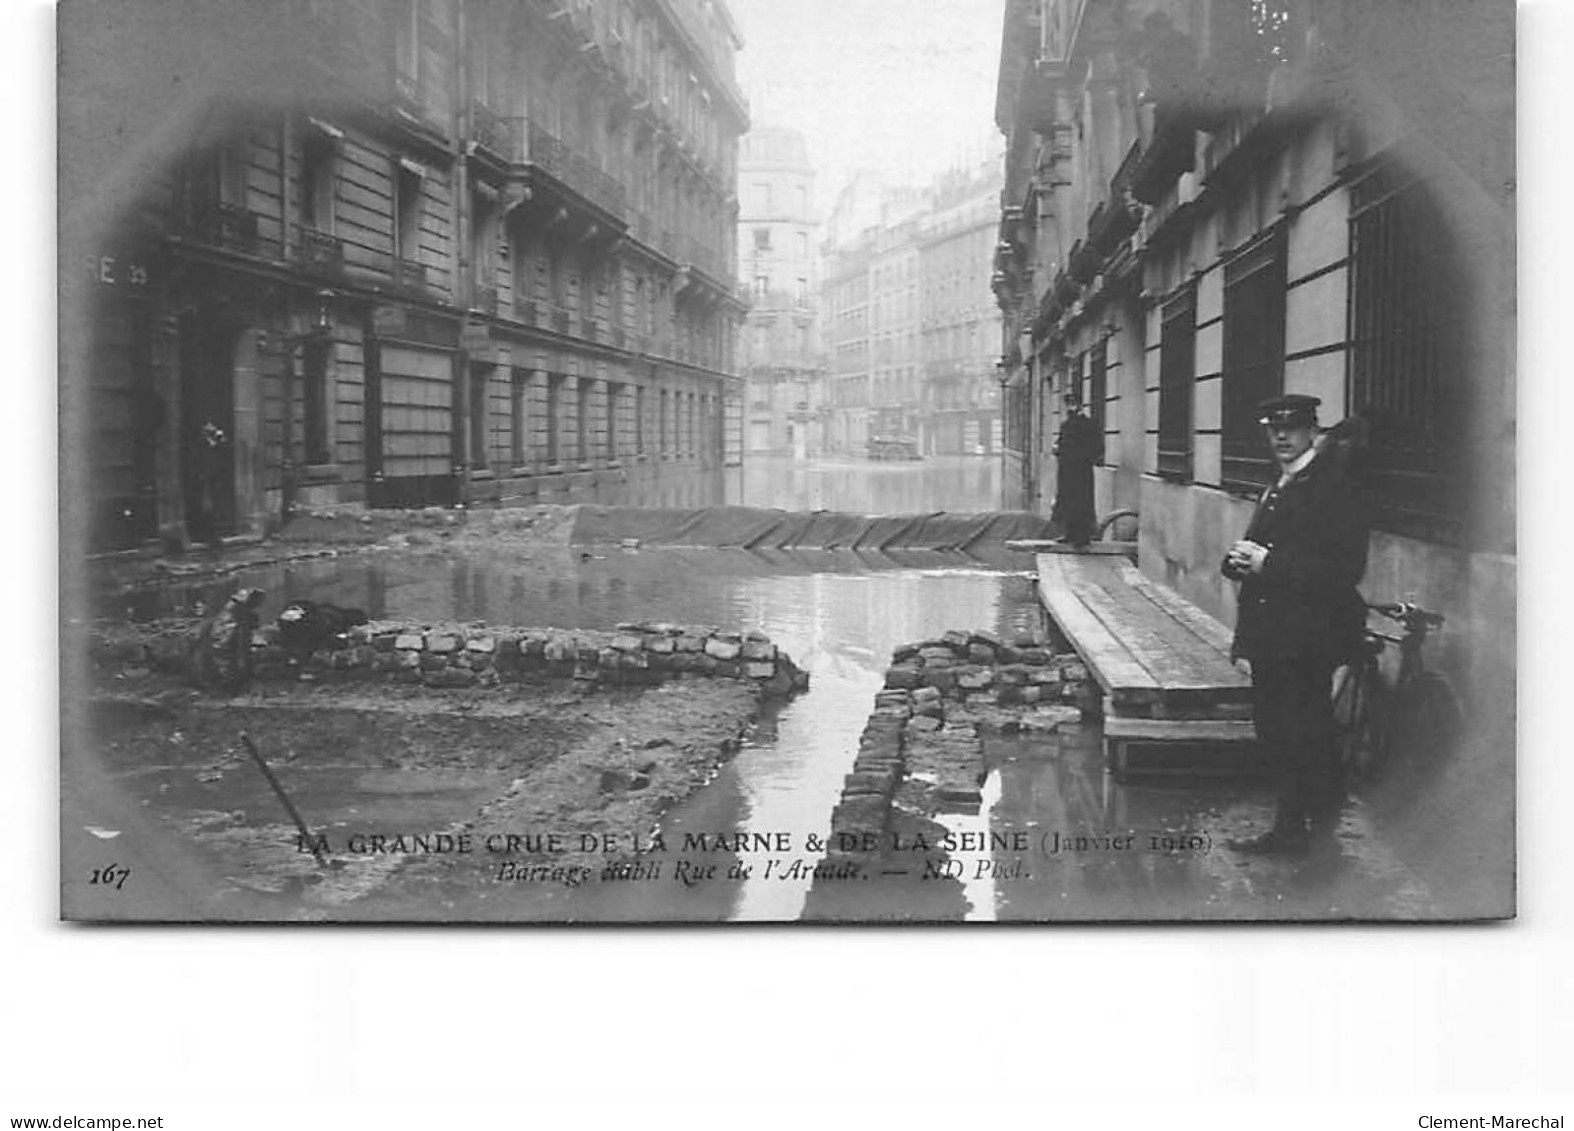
[1208, 202]
[778, 246]
[959, 391]
[426, 252]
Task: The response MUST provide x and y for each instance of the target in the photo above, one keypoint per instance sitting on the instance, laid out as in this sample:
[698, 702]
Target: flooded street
[1099, 849]
[962, 484]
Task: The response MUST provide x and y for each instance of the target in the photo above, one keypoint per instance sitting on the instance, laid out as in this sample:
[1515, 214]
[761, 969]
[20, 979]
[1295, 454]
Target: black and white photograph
[750, 461]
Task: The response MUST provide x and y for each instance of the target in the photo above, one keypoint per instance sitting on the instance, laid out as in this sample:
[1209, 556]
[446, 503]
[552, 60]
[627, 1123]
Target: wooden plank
[1110, 661]
[1045, 546]
[1190, 661]
[1170, 668]
[1207, 628]
[1179, 730]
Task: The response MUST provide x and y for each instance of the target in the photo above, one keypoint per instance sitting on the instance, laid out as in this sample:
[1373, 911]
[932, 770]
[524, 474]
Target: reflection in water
[840, 615]
[962, 484]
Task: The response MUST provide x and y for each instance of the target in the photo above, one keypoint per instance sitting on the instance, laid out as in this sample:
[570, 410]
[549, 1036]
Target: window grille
[519, 421]
[478, 415]
[1254, 293]
[1177, 374]
[1406, 375]
[1098, 367]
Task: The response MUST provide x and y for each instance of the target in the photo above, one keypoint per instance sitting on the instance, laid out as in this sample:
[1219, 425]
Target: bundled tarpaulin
[758, 528]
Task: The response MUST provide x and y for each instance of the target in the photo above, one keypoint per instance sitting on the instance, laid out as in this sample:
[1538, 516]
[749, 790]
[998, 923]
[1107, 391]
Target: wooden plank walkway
[1163, 664]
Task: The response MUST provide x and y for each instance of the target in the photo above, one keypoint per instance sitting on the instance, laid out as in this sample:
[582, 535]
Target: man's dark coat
[1304, 603]
[1078, 447]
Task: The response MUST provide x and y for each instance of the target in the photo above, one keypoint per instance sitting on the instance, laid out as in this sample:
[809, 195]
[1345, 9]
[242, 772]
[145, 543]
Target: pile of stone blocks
[979, 669]
[940, 697]
[632, 654]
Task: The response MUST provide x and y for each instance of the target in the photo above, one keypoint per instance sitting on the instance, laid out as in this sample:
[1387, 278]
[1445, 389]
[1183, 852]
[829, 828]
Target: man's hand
[1246, 556]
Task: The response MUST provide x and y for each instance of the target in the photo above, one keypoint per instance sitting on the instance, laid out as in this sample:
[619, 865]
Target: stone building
[911, 335]
[778, 249]
[1211, 201]
[395, 253]
[959, 397]
[893, 332]
[847, 350]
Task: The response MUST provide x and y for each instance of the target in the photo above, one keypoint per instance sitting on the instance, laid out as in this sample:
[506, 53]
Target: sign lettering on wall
[118, 271]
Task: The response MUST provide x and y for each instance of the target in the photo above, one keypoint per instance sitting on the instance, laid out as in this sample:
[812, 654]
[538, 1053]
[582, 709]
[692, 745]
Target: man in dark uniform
[1078, 446]
[1300, 616]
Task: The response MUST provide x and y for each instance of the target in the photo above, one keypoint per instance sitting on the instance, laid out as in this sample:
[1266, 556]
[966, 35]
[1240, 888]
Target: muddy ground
[556, 779]
[421, 798]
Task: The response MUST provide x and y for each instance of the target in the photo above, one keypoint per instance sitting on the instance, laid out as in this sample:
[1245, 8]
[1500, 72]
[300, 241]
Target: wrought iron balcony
[409, 273]
[407, 93]
[227, 226]
[493, 132]
[319, 253]
[526, 311]
[483, 299]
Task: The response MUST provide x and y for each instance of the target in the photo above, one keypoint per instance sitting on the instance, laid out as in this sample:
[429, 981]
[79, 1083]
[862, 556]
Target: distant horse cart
[893, 448]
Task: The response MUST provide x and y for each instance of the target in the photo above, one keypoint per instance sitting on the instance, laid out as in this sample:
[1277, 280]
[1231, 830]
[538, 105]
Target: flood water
[840, 615]
[961, 484]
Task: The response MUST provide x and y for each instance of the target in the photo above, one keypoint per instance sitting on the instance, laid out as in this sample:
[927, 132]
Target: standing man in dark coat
[1300, 616]
[1078, 447]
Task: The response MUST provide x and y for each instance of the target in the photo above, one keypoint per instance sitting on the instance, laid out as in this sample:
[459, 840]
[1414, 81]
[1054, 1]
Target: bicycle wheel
[1428, 721]
[1356, 726]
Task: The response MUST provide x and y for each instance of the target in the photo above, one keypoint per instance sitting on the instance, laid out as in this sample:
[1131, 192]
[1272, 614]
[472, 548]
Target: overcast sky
[903, 86]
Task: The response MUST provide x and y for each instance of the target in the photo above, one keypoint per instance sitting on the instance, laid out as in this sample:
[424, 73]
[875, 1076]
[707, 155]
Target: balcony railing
[319, 253]
[409, 273]
[227, 226]
[484, 299]
[493, 132]
[526, 311]
[548, 152]
[407, 93]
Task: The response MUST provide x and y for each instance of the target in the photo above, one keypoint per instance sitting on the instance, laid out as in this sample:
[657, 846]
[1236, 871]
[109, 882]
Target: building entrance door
[411, 434]
[207, 430]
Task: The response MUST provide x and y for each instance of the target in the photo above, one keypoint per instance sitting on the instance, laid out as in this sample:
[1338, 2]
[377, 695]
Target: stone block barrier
[461, 656]
[923, 742]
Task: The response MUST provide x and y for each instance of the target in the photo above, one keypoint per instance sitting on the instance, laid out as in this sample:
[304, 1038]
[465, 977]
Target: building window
[314, 377]
[483, 241]
[554, 417]
[1177, 373]
[1407, 354]
[519, 417]
[582, 423]
[1098, 371]
[639, 418]
[762, 239]
[316, 184]
[1254, 287]
[612, 419]
[407, 48]
[478, 415]
[407, 217]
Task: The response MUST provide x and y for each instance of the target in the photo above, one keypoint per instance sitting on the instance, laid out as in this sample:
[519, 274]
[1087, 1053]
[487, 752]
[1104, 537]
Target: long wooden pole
[289, 806]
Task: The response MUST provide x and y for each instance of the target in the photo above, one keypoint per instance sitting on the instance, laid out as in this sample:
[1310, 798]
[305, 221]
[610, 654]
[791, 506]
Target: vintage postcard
[828, 461]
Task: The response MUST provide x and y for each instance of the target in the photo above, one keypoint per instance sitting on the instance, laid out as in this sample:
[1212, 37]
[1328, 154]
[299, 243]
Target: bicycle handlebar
[1407, 614]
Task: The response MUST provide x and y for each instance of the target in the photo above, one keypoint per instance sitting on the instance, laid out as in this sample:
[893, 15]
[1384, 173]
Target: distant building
[395, 253]
[778, 252]
[959, 391]
[912, 336]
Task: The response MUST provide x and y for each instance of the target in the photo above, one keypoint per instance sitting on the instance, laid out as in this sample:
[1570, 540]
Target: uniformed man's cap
[1290, 410]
